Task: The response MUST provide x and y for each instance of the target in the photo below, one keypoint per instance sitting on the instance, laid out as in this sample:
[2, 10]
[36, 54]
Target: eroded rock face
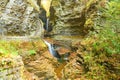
[71, 16]
[17, 17]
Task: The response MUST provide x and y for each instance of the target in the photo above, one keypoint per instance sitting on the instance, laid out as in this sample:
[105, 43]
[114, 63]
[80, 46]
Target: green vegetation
[101, 49]
[15, 47]
[8, 48]
[108, 39]
[32, 52]
[107, 42]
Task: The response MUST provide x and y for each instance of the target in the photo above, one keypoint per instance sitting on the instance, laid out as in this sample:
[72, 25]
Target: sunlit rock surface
[17, 17]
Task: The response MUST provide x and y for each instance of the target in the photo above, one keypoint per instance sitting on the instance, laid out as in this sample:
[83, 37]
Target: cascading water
[46, 17]
[48, 28]
[52, 50]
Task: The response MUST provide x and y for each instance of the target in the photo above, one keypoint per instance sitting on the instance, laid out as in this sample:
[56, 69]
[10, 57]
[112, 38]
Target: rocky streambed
[36, 62]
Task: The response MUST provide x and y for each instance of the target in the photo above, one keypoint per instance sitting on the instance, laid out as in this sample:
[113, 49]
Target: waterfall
[52, 50]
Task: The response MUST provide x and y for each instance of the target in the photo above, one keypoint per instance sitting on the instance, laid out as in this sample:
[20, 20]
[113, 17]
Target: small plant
[32, 52]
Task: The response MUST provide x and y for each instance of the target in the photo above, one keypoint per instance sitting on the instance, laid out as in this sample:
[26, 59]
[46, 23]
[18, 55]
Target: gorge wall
[68, 17]
[19, 18]
[71, 16]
